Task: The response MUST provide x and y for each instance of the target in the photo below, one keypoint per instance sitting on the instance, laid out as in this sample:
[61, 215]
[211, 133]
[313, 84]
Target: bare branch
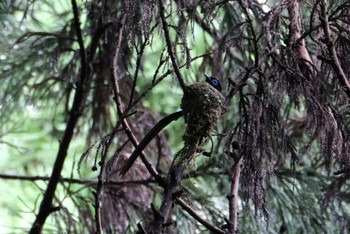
[335, 60]
[169, 46]
[73, 181]
[295, 29]
[197, 217]
[147, 139]
[121, 114]
[233, 198]
[46, 204]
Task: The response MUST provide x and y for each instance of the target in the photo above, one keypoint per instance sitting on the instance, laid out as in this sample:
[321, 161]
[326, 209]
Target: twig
[244, 6]
[233, 198]
[73, 181]
[107, 146]
[295, 29]
[147, 139]
[171, 187]
[162, 77]
[141, 229]
[27, 35]
[74, 114]
[120, 111]
[197, 217]
[335, 60]
[138, 63]
[169, 46]
[100, 183]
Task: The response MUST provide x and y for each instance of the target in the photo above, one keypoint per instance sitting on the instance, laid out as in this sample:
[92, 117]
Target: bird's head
[213, 82]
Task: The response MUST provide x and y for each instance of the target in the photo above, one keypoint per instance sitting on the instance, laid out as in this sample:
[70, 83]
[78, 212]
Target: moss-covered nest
[202, 106]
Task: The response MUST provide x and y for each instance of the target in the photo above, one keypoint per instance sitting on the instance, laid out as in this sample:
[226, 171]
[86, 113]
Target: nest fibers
[202, 106]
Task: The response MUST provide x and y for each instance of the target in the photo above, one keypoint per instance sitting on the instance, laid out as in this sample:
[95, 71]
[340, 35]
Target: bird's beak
[206, 76]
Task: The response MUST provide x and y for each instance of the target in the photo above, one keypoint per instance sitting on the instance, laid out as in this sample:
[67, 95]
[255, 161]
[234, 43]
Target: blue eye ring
[213, 82]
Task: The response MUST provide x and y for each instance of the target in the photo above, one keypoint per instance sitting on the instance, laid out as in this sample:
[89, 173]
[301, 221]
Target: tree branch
[295, 30]
[233, 198]
[46, 205]
[72, 180]
[169, 46]
[335, 60]
[100, 183]
[120, 111]
[171, 187]
[147, 139]
[197, 217]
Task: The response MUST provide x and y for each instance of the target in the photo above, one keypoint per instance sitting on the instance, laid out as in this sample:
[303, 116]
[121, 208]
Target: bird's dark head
[213, 82]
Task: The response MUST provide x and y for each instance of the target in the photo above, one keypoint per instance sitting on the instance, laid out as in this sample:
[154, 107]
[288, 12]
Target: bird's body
[202, 106]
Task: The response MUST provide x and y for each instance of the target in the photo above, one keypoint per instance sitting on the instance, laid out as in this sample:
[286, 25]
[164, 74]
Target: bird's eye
[213, 82]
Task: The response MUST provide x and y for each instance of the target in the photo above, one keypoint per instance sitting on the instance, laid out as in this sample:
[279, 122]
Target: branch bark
[233, 198]
[295, 30]
[197, 217]
[46, 205]
[121, 112]
[73, 181]
[169, 46]
[343, 80]
[171, 188]
[147, 139]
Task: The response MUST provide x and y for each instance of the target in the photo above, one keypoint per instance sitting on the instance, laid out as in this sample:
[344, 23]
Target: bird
[213, 81]
[201, 107]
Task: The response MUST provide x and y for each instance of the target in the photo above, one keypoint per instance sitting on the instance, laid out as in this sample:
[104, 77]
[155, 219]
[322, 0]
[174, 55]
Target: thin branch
[162, 77]
[19, 149]
[335, 60]
[233, 198]
[169, 45]
[121, 114]
[197, 217]
[46, 205]
[100, 184]
[244, 6]
[28, 35]
[147, 139]
[295, 30]
[138, 64]
[73, 181]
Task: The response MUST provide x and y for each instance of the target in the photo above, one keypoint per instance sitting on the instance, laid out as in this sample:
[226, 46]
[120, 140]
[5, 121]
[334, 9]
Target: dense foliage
[83, 82]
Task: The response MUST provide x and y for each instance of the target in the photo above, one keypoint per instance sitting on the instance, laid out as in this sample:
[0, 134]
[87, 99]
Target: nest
[202, 106]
